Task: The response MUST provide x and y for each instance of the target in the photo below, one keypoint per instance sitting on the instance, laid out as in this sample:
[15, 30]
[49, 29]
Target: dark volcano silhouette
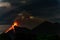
[43, 31]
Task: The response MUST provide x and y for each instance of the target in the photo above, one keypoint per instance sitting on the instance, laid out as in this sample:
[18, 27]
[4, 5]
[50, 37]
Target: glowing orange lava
[12, 27]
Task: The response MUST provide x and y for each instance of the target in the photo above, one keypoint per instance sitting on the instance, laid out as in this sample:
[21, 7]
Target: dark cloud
[42, 8]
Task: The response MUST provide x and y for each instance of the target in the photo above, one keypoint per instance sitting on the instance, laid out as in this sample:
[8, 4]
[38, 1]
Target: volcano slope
[44, 31]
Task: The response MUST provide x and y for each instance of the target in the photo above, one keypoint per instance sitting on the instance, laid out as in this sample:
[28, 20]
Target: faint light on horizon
[3, 28]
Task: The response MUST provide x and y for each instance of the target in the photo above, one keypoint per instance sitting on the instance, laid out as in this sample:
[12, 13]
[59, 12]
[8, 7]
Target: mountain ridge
[45, 28]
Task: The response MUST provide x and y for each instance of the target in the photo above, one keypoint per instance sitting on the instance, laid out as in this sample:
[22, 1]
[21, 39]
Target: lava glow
[12, 27]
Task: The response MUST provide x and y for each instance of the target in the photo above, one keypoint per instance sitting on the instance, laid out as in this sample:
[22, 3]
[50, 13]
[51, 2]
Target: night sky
[48, 9]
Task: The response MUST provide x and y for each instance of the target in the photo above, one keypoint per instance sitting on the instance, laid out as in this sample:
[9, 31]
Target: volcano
[46, 30]
[27, 27]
